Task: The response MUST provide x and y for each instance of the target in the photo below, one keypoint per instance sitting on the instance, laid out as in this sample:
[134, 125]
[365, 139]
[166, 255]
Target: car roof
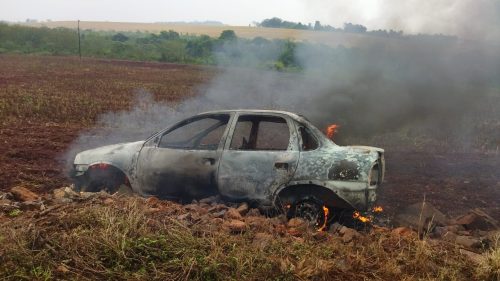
[290, 114]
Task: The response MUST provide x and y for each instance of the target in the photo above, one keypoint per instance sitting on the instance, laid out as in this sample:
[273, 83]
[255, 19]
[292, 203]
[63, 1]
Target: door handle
[281, 165]
[208, 161]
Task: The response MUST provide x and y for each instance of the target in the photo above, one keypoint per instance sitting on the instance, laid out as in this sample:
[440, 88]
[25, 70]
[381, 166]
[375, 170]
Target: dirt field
[45, 102]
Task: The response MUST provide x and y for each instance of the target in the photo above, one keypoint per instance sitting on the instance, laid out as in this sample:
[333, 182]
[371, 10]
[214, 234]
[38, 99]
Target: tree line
[170, 46]
[347, 28]
[166, 46]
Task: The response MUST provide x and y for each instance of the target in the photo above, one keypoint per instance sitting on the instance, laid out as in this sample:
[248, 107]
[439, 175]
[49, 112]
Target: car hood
[118, 154]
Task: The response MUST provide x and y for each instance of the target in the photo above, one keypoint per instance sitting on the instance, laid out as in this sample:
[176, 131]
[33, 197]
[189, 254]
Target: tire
[107, 180]
[310, 210]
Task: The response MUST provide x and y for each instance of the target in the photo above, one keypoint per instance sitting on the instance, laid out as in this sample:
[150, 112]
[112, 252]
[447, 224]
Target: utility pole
[79, 44]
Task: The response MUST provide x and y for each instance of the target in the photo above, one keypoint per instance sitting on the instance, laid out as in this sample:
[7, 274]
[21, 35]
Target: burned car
[270, 159]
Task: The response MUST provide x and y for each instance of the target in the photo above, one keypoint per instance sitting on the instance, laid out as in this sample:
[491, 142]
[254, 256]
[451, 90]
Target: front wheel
[98, 178]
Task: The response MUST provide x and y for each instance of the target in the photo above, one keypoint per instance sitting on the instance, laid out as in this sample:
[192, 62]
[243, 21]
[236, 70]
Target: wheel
[310, 210]
[107, 180]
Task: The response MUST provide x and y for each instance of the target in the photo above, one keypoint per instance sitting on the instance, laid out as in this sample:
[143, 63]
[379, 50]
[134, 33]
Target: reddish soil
[45, 102]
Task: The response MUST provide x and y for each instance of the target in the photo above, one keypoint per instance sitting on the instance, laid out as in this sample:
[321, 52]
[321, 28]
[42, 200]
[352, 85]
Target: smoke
[467, 19]
[437, 85]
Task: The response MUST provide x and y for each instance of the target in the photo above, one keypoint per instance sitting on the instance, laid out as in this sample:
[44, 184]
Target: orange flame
[358, 216]
[326, 211]
[378, 209]
[331, 130]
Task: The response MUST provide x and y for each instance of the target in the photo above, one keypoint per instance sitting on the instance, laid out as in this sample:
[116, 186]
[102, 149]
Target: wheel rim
[310, 211]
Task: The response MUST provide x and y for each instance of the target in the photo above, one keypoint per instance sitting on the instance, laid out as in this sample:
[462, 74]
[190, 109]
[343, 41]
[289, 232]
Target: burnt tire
[108, 180]
[310, 210]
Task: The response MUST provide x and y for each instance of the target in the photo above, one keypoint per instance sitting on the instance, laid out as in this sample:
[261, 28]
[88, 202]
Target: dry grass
[128, 241]
[489, 268]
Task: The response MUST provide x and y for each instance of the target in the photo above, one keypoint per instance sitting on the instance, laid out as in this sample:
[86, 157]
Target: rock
[477, 220]
[262, 240]
[232, 213]
[450, 237]
[62, 268]
[349, 234]
[59, 193]
[236, 226]
[380, 229]
[468, 241]
[335, 227]
[209, 200]
[454, 228]
[31, 206]
[217, 208]
[217, 221]
[253, 212]
[243, 209]
[294, 232]
[108, 201]
[153, 201]
[320, 235]
[463, 232]
[152, 210]
[219, 214]
[473, 257]
[420, 217]
[192, 207]
[493, 235]
[184, 216]
[68, 194]
[439, 231]
[402, 231]
[23, 194]
[124, 190]
[5, 202]
[296, 222]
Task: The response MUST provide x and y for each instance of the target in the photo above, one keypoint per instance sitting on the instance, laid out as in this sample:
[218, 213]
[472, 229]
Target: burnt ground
[46, 102]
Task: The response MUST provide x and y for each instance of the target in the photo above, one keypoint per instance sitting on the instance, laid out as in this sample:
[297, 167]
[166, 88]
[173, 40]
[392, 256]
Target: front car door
[182, 162]
[260, 155]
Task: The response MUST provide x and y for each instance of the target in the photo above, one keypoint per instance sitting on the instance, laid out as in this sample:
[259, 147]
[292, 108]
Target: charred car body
[268, 158]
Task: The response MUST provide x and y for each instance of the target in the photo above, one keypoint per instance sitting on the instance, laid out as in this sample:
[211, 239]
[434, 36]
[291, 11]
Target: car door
[260, 155]
[183, 161]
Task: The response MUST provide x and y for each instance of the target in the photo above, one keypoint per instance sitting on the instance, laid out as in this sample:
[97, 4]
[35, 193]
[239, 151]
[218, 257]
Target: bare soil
[46, 102]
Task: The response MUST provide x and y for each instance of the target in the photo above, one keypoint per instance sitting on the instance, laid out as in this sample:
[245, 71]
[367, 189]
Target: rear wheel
[311, 210]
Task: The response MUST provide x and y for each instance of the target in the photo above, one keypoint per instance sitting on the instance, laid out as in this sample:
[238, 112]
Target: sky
[464, 18]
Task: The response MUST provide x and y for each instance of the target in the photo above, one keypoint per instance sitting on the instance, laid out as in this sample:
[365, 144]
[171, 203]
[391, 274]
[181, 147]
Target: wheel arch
[99, 170]
[290, 194]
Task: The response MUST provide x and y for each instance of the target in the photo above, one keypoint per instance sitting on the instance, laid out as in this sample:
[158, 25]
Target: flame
[331, 130]
[378, 209]
[326, 211]
[358, 216]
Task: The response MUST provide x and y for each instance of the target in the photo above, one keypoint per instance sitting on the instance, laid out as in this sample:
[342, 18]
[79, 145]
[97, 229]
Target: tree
[169, 35]
[354, 28]
[273, 22]
[120, 37]
[317, 25]
[228, 35]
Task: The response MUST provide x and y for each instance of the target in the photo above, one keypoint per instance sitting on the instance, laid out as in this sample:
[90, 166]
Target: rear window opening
[260, 133]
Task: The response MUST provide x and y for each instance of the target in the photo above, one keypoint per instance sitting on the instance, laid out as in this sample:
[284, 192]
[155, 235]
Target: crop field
[47, 102]
[329, 38]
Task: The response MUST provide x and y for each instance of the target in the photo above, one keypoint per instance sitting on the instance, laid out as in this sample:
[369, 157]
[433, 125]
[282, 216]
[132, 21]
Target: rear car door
[260, 155]
[183, 161]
